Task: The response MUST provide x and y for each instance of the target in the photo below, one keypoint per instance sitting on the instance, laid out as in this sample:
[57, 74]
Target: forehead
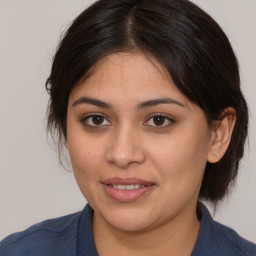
[127, 76]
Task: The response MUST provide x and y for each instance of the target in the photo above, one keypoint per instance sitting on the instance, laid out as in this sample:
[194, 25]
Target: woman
[146, 97]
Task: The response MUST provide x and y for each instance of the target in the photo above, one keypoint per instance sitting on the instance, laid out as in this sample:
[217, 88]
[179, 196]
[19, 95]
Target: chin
[133, 220]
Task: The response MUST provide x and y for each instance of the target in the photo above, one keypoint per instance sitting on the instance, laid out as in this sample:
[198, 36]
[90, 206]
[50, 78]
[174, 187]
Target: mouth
[127, 190]
[127, 187]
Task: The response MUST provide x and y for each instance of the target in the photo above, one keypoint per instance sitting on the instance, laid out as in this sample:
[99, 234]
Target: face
[138, 147]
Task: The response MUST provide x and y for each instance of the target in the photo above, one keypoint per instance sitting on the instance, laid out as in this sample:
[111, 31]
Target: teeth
[127, 187]
[120, 187]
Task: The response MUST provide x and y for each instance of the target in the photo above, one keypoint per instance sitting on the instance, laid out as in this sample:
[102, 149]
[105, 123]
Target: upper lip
[126, 181]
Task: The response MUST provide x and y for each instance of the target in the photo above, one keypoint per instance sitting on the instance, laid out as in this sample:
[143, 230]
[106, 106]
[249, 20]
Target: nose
[125, 149]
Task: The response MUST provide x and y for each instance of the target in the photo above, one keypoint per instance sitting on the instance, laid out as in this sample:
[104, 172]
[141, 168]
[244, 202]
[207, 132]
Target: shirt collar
[86, 245]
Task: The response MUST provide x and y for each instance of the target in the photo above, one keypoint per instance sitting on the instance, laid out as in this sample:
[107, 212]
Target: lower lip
[126, 196]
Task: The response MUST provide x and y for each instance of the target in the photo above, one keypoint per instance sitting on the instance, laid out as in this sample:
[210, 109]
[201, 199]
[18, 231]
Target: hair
[185, 40]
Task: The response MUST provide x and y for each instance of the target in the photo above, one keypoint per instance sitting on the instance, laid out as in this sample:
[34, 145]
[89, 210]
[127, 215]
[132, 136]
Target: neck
[175, 237]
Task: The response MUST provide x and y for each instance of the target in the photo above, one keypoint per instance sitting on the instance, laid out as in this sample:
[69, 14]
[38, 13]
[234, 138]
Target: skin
[128, 142]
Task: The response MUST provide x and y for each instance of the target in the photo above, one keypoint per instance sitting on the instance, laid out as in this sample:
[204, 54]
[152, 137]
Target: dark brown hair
[181, 36]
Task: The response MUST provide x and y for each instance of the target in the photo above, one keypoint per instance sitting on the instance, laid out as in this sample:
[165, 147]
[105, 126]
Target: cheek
[83, 149]
[86, 163]
[180, 176]
[181, 159]
[86, 158]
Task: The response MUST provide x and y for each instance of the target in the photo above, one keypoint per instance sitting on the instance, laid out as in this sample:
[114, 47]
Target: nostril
[124, 151]
[124, 161]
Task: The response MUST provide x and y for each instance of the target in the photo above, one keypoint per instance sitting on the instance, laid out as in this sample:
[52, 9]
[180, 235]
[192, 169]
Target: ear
[221, 135]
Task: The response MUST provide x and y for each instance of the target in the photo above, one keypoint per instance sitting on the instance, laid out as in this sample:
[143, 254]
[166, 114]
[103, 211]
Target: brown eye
[95, 121]
[159, 121]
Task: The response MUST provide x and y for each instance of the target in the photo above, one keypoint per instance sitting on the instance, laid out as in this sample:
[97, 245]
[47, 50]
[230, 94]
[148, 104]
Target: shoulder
[56, 234]
[232, 243]
[217, 239]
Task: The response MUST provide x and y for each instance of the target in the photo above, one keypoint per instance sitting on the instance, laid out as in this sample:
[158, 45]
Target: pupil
[97, 120]
[159, 120]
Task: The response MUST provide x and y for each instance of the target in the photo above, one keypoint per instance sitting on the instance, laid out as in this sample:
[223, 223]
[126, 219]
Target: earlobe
[221, 135]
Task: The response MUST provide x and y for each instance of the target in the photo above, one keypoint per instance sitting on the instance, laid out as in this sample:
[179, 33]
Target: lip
[127, 196]
[126, 181]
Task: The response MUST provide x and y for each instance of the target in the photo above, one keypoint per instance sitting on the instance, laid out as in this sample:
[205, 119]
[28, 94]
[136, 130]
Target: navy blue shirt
[72, 236]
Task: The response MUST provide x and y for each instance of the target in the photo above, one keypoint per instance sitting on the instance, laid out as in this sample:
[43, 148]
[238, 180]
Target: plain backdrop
[33, 187]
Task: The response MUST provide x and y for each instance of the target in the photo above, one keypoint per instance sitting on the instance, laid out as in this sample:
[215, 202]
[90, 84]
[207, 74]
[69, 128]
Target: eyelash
[85, 119]
[94, 126]
[166, 118]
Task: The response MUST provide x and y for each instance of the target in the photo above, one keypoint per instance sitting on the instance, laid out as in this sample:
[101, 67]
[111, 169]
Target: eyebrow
[154, 102]
[92, 101]
[143, 105]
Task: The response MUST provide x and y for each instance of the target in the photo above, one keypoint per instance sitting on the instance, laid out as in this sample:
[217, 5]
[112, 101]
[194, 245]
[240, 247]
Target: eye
[159, 121]
[95, 121]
